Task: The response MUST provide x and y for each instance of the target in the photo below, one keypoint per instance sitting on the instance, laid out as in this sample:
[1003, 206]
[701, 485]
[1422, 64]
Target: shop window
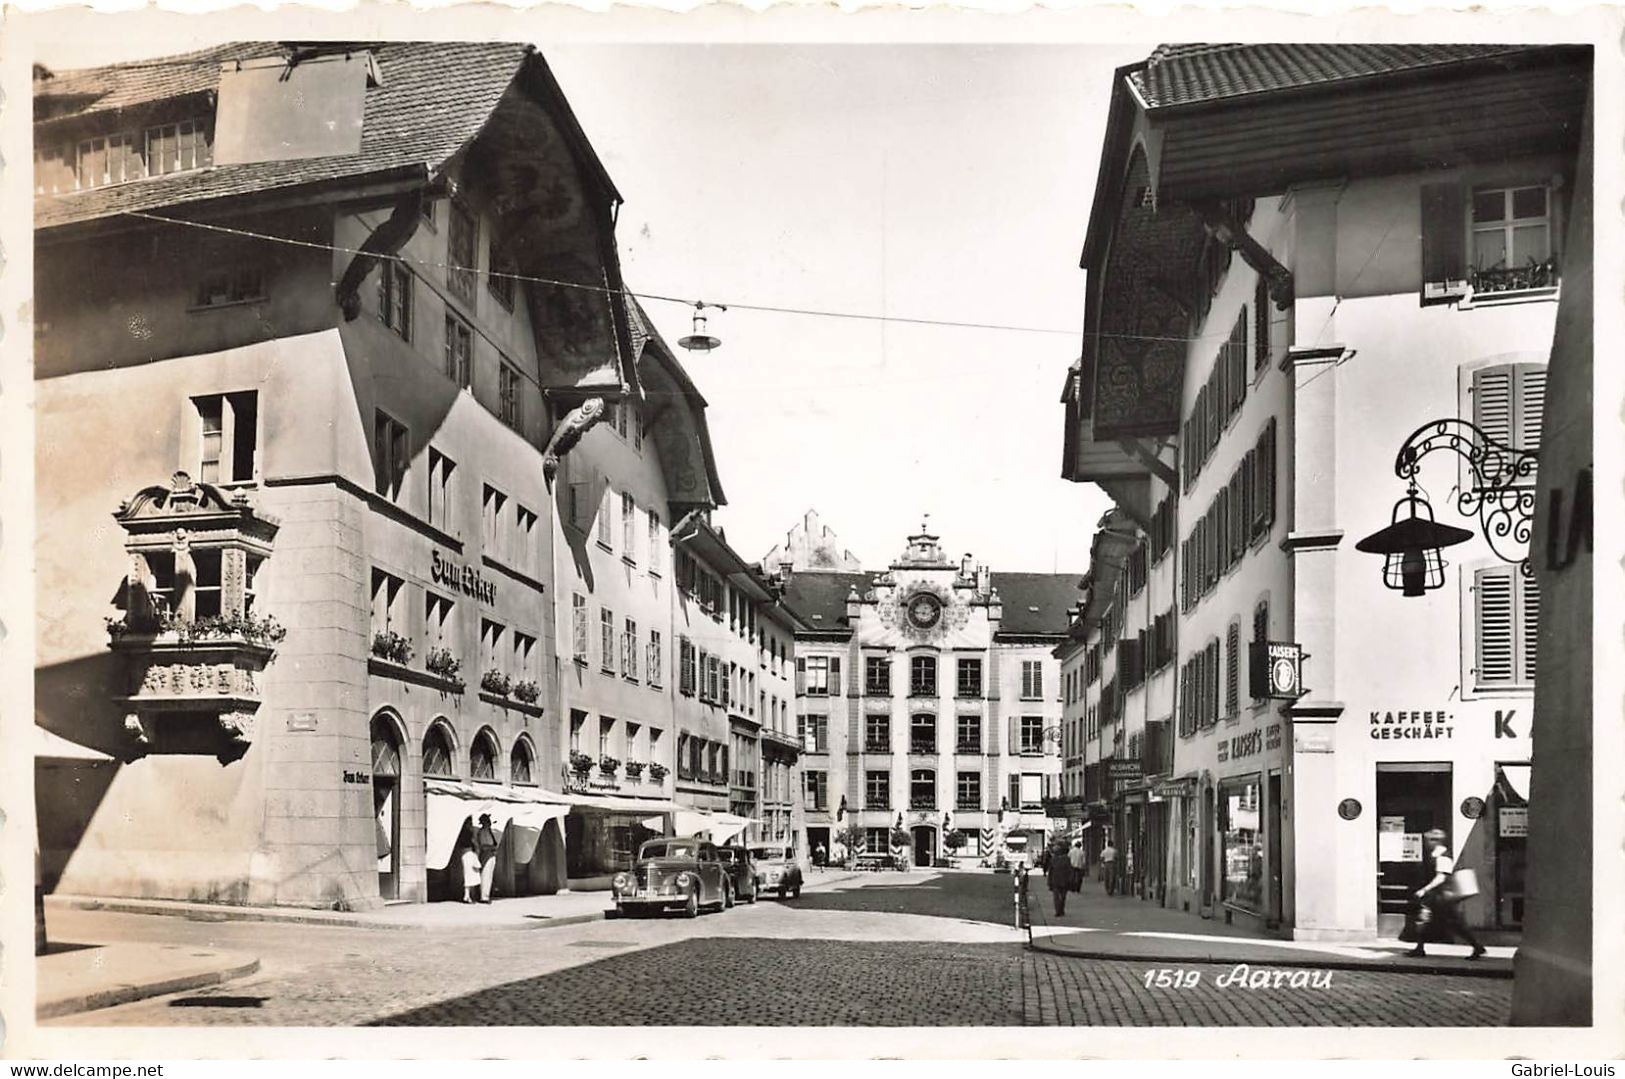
[1242, 843]
[228, 436]
[395, 286]
[462, 240]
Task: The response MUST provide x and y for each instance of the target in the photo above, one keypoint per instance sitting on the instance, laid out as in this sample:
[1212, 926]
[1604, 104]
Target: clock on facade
[924, 610]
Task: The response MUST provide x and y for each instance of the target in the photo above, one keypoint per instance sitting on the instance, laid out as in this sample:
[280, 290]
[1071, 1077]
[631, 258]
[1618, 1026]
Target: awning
[1512, 783]
[691, 822]
[451, 803]
[726, 826]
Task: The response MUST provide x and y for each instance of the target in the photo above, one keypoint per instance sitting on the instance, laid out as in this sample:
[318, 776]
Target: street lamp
[699, 340]
[1502, 497]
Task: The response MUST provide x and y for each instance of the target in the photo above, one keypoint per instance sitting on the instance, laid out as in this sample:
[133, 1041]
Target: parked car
[742, 871]
[776, 870]
[673, 874]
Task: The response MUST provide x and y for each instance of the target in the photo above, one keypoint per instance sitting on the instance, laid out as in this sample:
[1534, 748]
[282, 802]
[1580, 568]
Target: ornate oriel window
[193, 638]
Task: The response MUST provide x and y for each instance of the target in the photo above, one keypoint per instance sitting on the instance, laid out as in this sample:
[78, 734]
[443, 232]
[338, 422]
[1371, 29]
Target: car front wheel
[691, 909]
[727, 897]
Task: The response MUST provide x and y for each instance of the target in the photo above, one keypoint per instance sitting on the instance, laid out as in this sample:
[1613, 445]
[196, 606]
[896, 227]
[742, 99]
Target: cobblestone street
[889, 950]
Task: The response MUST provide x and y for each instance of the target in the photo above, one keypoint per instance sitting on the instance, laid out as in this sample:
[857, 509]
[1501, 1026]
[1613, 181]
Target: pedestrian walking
[1059, 875]
[1077, 857]
[1442, 895]
[485, 848]
[820, 856]
[1108, 866]
[471, 873]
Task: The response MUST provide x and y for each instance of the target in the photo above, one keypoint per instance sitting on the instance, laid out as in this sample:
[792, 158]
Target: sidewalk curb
[1378, 965]
[97, 999]
[295, 916]
[209, 912]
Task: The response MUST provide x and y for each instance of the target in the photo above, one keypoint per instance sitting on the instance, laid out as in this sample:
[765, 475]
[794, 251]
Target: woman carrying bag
[1439, 900]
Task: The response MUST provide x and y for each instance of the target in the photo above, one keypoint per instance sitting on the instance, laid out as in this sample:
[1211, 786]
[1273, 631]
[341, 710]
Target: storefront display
[1243, 842]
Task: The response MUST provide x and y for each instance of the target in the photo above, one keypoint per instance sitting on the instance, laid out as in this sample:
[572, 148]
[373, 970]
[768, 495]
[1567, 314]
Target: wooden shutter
[1261, 325]
[1013, 731]
[1444, 241]
[1232, 693]
[1530, 379]
[1495, 627]
[1492, 402]
[801, 675]
[1528, 626]
[1268, 456]
[834, 677]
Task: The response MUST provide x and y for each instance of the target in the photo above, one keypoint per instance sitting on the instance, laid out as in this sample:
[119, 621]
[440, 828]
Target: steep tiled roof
[820, 598]
[1036, 602]
[1193, 74]
[434, 97]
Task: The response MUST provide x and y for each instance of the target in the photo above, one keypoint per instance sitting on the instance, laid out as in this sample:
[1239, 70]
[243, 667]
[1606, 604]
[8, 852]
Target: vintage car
[776, 870]
[742, 871]
[682, 874]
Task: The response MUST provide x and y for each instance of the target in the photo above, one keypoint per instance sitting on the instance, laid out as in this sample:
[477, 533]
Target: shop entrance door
[386, 806]
[1412, 798]
[925, 845]
[1274, 842]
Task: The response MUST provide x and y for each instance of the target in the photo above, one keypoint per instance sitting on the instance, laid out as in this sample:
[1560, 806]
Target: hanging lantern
[1412, 564]
[699, 340]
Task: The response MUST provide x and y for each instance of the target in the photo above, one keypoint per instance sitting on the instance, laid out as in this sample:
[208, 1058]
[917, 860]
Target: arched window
[437, 751]
[386, 748]
[922, 789]
[482, 758]
[521, 764]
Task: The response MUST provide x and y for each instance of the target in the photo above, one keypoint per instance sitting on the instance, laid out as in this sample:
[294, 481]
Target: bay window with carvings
[189, 636]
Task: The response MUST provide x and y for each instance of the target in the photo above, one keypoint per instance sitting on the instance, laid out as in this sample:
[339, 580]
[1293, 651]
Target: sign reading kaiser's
[1277, 666]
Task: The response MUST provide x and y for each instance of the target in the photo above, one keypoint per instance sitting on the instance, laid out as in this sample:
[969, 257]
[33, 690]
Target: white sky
[927, 181]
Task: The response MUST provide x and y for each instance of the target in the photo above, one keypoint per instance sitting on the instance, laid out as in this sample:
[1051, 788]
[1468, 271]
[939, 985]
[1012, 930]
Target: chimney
[854, 605]
[984, 580]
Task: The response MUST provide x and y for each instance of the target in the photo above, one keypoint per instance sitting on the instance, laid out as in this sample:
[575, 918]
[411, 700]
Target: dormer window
[120, 157]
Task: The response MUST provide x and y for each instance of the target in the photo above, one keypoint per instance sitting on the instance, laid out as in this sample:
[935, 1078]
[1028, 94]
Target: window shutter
[1261, 325]
[1531, 402]
[1013, 730]
[1444, 241]
[801, 676]
[1269, 474]
[1232, 692]
[834, 677]
[1492, 402]
[1528, 627]
[1497, 646]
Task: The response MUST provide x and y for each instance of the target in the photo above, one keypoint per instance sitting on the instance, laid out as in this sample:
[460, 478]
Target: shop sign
[1241, 745]
[1285, 670]
[1118, 769]
[462, 578]
[1172, 789]
[1514, 822]
[1272, 736]
[589, 783]
[1349, 809]
[1432, 724]
[361, 778]
[1399, 846]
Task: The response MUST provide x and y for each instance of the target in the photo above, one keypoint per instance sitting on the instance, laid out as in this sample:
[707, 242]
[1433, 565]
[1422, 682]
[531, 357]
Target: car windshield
[776, 854]
[668, 850]
[726, 854]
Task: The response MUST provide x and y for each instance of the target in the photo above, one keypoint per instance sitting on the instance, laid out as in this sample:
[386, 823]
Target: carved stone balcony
[189, 696]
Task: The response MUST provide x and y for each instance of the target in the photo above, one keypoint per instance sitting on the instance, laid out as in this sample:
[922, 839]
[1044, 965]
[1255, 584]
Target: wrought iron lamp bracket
[1502, 494]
